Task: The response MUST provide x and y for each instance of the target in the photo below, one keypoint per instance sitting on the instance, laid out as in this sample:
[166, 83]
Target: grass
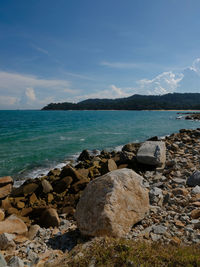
[118, 253]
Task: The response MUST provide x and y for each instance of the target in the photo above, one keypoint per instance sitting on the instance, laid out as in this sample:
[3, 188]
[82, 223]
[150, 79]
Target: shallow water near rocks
[32, 142]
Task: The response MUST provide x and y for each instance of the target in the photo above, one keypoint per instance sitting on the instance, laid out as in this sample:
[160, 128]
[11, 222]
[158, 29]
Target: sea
[32, 141]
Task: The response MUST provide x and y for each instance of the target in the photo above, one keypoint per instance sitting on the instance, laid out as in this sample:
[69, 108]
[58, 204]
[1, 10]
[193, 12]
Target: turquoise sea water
[33, 141]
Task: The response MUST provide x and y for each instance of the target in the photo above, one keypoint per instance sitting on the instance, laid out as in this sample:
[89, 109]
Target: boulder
[131, 147]
[112, 203]
[70, 171]
[15, 262]
[46, 186]
[49, 218]
[6, 241]
[194, 179]
[13, 225]
[5, 181]
[152, 153]
[5, 191]
[62, 184]
[85, 155]
[108, 166]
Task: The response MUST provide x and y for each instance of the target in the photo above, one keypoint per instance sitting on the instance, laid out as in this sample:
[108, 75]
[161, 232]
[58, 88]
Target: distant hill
[135, 102]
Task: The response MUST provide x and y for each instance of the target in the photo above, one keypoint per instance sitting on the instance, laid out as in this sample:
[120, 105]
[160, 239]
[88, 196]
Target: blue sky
[70, 50]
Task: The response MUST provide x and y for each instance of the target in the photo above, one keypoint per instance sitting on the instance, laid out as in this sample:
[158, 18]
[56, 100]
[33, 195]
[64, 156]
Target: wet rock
[49, 218]
[194, 179]
[112, 203]
[29, 188]
[85, 155]
[152, 153]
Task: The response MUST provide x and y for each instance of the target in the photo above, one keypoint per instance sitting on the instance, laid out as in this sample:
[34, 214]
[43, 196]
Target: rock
[152, 153]
[195, 214]
[3, 263]
[131, 147]
[49, 218]
[180, 191]
[29, 188]
[83, 172]
[5, 180]
[108, 166]
[5, 191]
[46, 186]
[6, 241]
[63, 184]
[196, 190]
[70, 171]
[126, 157]
[85, 155]
[194, 179]
[15, 262]
[80, 185]
[33, 230]
[159, 229]
[13, 225]
[112, 203]
[2, 215]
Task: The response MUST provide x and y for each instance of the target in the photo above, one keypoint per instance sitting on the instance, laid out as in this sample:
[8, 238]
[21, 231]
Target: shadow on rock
[67, 241]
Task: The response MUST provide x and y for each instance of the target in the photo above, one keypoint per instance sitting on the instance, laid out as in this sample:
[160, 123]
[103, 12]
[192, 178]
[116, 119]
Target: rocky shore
[148, 191]
[194, 116]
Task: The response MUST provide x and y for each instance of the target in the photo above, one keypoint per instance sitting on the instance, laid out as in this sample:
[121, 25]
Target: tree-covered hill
[135, 102]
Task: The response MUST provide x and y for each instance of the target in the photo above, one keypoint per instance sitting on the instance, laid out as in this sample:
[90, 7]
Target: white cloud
[166, 82]
[196, 65]
[30, 93]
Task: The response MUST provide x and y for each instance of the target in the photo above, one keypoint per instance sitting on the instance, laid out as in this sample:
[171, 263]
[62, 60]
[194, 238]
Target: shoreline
[60, 190]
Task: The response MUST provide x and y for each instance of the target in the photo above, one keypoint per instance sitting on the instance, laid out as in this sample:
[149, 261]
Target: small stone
[196, 190]
[33, 230]
[175, 241]
[159, 229]
[155, 237]
[29, 188]
[179, 224]
[20, 205]
[33, 199]
[13, 224]
[180, 191]
[15, 262]
[194, 179]
[6, 241]
[195, 214]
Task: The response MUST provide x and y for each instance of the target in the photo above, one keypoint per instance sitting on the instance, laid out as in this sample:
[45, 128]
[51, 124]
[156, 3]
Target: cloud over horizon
[29, 91]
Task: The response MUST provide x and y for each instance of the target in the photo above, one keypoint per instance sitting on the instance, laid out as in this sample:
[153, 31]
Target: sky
[71, 50]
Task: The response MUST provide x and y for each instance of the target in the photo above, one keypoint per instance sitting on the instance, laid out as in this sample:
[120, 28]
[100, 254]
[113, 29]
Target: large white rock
[152, 153]
[111, 204]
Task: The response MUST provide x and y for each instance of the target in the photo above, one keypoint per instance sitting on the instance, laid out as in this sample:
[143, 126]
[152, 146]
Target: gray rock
[196, 190]
[15, 262]
[3, 263]
[178, 181]
[152, 153]
[46, 186]
[194, 179]
[155, 237]
[159, 229]
[33, 257]
[6, 241]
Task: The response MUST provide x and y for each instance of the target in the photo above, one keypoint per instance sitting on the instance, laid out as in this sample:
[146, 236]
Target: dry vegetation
[113, 252]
